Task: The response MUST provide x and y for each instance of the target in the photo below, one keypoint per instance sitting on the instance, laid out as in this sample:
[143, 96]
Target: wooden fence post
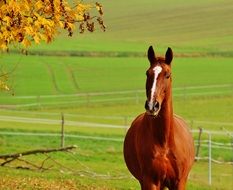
[62, 130]
[198, 144]
[210, 160]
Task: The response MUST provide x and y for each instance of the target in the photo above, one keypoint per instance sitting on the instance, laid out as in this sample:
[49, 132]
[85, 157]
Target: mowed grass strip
[210, 113]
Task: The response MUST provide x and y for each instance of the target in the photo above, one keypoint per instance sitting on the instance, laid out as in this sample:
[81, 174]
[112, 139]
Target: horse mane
[160, 60]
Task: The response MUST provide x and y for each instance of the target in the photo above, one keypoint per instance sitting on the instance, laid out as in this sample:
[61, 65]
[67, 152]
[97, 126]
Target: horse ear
[151, 55]
[168, 56]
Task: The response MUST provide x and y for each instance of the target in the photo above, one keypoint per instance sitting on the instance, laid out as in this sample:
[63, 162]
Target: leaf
[3, 81]
[3, 45]
[29, 20]
[39, 5]
[36, 38]
[29, 30]
[99, 8]
[26, 21]
[8, 20]
[3, 86]
[26, 43]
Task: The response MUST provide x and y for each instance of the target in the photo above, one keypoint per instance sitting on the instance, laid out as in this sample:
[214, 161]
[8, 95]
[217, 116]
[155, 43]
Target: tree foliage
[25, 21]
[3, 81]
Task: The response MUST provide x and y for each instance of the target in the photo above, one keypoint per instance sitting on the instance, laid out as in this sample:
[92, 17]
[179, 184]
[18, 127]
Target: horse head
[158, 82]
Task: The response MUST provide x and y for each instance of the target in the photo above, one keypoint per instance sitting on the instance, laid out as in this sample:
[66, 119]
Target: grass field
[100, 95]
[97, 166]
[70, 75]
[187, 26]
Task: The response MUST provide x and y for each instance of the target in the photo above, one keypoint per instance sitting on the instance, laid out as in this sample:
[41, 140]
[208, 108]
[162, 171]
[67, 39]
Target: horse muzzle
[152, 108]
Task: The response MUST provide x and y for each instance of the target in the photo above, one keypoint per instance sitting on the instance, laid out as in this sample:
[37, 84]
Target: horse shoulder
[131, 149]
[132, 133]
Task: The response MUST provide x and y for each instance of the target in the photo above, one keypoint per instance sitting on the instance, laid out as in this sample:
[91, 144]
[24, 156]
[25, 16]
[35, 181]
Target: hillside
[187, 26]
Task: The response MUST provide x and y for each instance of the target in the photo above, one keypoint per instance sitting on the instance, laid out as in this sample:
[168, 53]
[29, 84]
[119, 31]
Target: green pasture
[96, 164]
[42, 75]
[187, 26]
[103, 91]
[45, 87]
[202, 88]
[100, 94]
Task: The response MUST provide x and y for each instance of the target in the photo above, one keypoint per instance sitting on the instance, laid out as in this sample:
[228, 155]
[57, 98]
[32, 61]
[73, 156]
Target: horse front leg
[182, 184]
[148, 184]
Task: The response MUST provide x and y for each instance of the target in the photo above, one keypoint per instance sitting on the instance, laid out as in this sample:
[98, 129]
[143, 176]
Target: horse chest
[158, 163]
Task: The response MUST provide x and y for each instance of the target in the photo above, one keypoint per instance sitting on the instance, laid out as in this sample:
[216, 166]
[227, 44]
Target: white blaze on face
[156, 70]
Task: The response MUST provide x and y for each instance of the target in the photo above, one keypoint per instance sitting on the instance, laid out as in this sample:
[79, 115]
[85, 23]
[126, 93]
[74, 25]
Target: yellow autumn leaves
[27, 21]
[3, 81]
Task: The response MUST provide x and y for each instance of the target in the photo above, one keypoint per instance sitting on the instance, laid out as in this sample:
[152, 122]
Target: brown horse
[158, 147]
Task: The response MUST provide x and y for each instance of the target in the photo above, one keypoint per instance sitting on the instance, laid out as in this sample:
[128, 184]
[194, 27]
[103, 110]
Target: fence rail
[112, 96]
[205, 87]
[207, 143]
[218, 145]
[123, 119]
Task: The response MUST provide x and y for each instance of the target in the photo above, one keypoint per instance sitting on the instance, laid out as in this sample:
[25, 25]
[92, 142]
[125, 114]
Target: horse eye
[167, 75]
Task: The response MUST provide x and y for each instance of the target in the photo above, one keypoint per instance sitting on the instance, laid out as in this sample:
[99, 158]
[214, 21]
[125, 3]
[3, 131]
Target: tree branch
[42, 168]
[37, 151]
[8, 161]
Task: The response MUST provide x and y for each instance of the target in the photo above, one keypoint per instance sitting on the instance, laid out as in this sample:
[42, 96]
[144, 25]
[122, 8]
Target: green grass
[104, 158]
[35, 77]
[187, 26]
[107, 74]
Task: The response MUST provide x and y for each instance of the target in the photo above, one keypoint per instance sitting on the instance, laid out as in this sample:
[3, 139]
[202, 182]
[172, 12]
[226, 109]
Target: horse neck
[163, 124]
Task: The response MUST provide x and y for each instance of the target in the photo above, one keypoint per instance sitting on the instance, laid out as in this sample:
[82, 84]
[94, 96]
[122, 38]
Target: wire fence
[88, 98]
[205, 145]
[208, 147]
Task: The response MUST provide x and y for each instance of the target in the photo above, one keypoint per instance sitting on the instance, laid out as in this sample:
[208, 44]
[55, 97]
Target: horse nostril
[146, 105]
[156, 106]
